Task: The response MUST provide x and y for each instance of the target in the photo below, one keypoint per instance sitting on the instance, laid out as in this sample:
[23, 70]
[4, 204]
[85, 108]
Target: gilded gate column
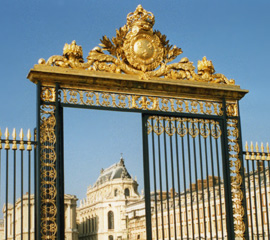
[47, 171]
[236, 171]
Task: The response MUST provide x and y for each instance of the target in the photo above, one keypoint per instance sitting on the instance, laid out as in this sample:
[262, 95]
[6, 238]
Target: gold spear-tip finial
[14, 135]
[7, 140]
[29, 146]
[21, 140]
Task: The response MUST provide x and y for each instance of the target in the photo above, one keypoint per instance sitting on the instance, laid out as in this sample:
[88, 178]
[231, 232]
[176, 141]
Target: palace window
[127, 192]
[111, 237]
[115, 192]
[110, 220]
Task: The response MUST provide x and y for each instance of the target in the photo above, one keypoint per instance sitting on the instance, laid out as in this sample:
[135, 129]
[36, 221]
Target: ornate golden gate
[132, 72]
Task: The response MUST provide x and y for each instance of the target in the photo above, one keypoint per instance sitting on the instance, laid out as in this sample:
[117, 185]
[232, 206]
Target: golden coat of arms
[139, 50]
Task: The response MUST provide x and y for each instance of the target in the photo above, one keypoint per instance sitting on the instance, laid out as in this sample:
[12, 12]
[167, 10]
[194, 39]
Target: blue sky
[235, 35]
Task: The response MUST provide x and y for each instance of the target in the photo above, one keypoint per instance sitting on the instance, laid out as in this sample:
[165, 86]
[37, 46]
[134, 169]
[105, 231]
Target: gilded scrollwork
[140, 102]
[48, 172]
[236, 178]
[139, 50]
[184, 126]
[232, 109]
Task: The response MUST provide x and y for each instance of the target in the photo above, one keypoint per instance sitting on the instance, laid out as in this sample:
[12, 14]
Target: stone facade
[71, 232]
[102, 215]
[114, 210]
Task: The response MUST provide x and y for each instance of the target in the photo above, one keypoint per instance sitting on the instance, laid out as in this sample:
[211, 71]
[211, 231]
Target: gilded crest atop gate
[139, 50]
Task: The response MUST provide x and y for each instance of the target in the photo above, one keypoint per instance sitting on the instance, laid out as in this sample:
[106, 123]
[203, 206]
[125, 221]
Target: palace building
[25, 219]
[103, 214]
[114, 210]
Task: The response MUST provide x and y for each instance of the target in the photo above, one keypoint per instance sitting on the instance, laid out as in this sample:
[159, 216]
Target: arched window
[111, 237]
[127, 192]
[115, 192]
[110, 220]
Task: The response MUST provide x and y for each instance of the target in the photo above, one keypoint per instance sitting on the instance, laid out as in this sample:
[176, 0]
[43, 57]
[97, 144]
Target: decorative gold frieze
[236, 178]
[139, 102]
[183, 126]
[139, 50]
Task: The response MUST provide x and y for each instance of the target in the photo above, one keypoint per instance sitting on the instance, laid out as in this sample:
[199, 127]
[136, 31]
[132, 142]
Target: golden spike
[263, 153]
[14, 135]
[258, 155]
[262, 147]
[0, 139]
[7, 140]
[29, 146]
[247, 153]
[7, 134]
[268, 153]
[246, 146]
[21, 138]
[252, 151]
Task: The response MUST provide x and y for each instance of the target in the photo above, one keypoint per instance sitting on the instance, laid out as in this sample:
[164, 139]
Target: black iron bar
[37, 179]
[160, 183]
[35, 182]
[59, 165]
[21, 194]
[178, 180]
[184, 175]
[29, 193]
[18, 141]
[255, 199]
[62, 167]
[213, 180]
[173, 185]
[266, 200]
[250, 200]
[190, 181]
[58, 199]
[154, 175]
[14, 194]
[167, 179]
[202, 186]
[225, 147]
[268, 170]
[0, 175]
[6, 232]
[260, 191]
[208, 188]
[146, 178]
[196, 179]
[219, 181]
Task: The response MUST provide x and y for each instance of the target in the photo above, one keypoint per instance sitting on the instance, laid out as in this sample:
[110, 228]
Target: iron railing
[17, 186]
[257, 179]
[186, 178]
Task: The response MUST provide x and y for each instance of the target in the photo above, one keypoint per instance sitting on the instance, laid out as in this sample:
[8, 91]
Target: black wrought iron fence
[17, 186]
[257, 182]
[187, 183]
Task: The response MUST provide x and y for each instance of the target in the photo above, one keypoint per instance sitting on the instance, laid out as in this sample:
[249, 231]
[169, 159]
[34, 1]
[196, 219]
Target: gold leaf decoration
[139, 50]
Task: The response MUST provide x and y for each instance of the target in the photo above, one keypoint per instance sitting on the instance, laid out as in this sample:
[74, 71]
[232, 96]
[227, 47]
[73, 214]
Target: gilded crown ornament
[139, 50]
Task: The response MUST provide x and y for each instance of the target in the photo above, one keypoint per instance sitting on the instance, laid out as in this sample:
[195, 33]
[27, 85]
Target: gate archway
[132, 72]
